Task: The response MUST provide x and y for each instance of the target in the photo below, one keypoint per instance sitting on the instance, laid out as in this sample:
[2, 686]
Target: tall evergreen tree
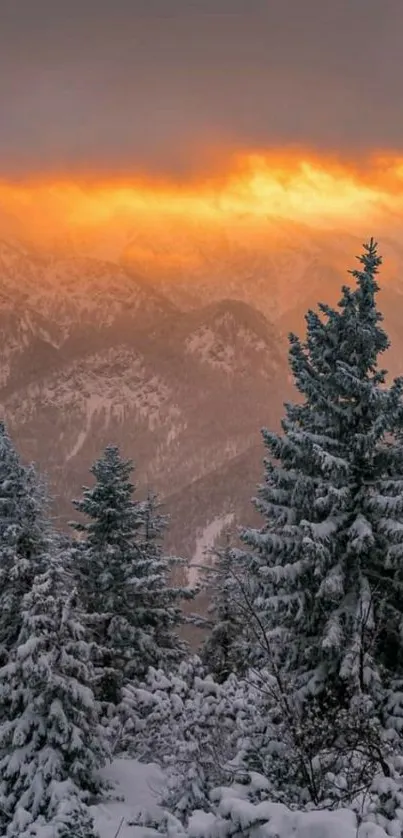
[24, 537]
[125, 576]
[325, 570]
[159, 600]
[50, 741]
[222, 652]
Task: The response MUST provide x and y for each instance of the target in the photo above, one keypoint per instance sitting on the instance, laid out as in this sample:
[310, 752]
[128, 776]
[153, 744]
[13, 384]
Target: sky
[153, 84]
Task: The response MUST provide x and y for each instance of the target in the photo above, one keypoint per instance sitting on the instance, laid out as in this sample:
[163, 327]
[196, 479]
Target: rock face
[181, 365]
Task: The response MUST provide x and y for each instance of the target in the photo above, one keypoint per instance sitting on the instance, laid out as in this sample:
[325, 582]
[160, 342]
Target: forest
[293, 704]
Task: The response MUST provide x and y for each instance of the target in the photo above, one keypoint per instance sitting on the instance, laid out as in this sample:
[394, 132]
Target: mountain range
[176, 350]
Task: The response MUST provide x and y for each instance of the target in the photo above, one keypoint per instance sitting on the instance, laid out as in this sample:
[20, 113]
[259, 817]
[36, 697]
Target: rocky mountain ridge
[180, 368]
[91, 354]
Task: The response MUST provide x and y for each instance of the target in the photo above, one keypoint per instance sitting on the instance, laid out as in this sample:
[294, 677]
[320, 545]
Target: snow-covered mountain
[177, 353]
[272, 264]
[92, 354]
[47, 302]
[279, 267]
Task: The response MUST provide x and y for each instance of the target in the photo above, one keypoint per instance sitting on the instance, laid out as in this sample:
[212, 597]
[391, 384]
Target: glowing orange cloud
[296, 187]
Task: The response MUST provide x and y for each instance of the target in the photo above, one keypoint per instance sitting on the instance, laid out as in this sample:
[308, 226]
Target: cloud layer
[92, 84]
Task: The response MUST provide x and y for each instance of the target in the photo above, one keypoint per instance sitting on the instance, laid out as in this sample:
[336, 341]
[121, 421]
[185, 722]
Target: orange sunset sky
[201, 111]
[297, 186]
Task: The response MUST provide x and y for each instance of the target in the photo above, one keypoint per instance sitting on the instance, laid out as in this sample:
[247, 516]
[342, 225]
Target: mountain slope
[46, 302]
[182, 397]
[177, 354]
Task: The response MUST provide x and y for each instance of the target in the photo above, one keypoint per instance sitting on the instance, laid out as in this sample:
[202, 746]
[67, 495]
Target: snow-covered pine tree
[51, 744]
[70, 818]
[125, 576]
[110, 519]
[324, 573]
[221, 652]
[24, 537]
[159, 600]
[102, 562]
[190, 725]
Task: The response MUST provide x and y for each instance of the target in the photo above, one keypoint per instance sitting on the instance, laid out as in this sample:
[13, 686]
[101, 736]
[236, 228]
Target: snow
[205, 542]
[219, 347]
[107, 387]
[274, 820]
[94, 405]
[80, 442]
[139, 787]
[211, 349]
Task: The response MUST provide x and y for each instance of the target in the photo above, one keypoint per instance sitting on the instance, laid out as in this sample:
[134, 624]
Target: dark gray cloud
[117, 83]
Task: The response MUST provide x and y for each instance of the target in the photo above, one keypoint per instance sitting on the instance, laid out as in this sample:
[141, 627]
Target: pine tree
[125, 576]
[24, 537]
[50, 741]
[190, 725]
[70, 818]
[221, 652]
[103, 560]
[159, 600]
[324, 573]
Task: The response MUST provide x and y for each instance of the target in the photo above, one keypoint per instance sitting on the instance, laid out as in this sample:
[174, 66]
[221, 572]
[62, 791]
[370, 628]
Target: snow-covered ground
[273, 820]
[139, 786]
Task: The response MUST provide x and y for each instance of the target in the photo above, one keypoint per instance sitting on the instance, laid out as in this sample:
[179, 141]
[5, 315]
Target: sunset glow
[302, 188]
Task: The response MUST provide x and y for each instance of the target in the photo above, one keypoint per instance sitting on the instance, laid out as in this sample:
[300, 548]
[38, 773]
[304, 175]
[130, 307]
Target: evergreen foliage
[325, 570]
[160, 601]
[50, 740]
[298, 698]
[25, 537]
[191, 725]
[322, 578]
[69, 818]
[221, 652]
[125, 576]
